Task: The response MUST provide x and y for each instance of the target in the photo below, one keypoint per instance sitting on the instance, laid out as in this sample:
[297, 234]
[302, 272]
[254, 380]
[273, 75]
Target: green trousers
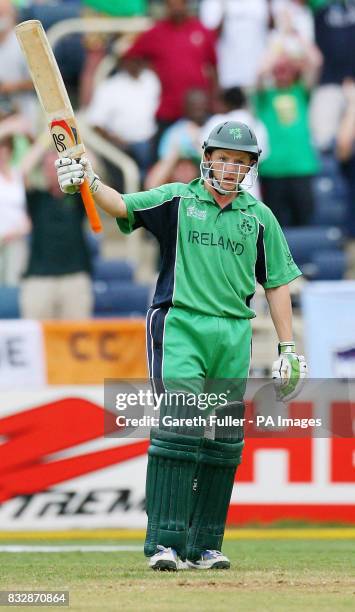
[189, 478]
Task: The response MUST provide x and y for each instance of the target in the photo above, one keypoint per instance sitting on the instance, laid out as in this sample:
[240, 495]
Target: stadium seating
[112, 299]
[329, 265]
[330, 196]
[112, 270]
[9, 302]
[318, 251]
[120, 298]
[115, 292]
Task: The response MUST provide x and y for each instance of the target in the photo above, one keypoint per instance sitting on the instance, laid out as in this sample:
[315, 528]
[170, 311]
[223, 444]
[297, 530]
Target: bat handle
[89, 204]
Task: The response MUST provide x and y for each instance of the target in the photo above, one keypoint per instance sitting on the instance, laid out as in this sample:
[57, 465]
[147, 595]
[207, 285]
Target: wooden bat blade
[54, 100]
[43, 67]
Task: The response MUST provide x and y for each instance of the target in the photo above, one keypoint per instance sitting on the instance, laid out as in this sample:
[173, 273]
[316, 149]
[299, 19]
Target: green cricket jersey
[211, 257]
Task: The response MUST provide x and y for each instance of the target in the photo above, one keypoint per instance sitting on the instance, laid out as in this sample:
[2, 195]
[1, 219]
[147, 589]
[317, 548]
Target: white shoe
[166, 560]
[210, 559]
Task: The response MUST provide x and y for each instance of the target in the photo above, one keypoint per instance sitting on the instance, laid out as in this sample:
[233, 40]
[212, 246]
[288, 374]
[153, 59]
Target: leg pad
[213, 484]
[171, 467]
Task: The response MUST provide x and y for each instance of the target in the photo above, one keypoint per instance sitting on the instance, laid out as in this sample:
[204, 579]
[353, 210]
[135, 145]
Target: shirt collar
[243, 200]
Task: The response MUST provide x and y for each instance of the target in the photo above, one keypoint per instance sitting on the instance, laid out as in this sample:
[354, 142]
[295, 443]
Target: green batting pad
[212, 489]
[171, 468]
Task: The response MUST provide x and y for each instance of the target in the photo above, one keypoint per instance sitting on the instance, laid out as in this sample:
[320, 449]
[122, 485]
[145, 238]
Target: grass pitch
[267, 575]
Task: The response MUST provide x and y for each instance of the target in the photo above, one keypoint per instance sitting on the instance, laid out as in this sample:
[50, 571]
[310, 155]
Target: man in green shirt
[282, 104]
[216, 242]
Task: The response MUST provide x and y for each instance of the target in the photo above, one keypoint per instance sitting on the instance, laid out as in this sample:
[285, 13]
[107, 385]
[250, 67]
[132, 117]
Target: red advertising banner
[57, 471]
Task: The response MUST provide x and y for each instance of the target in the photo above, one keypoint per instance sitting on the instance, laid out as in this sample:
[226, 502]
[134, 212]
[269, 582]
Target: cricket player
[216, 242]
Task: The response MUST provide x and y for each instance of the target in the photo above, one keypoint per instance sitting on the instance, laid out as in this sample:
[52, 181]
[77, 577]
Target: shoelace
[162, 549]
[214, 553]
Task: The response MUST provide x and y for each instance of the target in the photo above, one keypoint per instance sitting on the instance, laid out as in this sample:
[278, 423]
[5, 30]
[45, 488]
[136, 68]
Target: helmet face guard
[241, 176]
[233, 136]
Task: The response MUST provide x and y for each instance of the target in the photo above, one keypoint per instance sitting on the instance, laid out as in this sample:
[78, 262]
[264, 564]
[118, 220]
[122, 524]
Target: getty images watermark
[323, 408]
[147, 397]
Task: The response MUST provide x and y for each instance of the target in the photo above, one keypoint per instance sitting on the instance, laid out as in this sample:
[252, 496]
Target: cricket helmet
[235, 136]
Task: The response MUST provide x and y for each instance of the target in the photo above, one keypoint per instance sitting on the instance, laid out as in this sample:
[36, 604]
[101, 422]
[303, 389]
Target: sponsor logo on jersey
[193, 211]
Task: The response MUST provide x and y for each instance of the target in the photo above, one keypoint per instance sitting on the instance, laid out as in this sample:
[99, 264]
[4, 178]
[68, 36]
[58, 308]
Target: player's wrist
[286, 347]
[95, 184]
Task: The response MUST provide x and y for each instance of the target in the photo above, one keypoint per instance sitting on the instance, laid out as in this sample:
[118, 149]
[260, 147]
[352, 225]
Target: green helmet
[233, 135]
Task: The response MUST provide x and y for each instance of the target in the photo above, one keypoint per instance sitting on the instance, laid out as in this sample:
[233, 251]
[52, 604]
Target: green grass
[268, 575]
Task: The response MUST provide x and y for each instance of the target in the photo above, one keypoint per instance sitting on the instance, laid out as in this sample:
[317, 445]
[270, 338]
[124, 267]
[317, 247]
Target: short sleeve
[275, 265]
[148, 209]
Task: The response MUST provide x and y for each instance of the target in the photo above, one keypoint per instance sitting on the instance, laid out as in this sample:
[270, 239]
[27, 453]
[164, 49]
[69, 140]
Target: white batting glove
[71, 174]
[289, 372]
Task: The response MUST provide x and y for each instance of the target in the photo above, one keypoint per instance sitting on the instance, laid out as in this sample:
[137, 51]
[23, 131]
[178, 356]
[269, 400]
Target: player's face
[229, 167]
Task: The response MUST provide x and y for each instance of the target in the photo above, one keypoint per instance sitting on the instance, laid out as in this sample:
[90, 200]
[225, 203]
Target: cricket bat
[55, 102]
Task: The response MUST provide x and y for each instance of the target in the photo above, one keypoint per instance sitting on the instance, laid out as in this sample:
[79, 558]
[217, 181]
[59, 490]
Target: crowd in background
[285, 67]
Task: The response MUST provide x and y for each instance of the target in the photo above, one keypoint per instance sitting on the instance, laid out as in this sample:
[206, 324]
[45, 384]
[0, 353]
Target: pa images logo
[247, 227]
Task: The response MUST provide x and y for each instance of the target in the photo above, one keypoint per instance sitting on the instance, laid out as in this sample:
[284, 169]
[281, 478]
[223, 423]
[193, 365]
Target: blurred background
[148, 80]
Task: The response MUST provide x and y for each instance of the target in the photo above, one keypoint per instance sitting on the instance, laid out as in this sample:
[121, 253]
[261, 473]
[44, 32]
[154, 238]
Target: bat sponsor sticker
[65, 136]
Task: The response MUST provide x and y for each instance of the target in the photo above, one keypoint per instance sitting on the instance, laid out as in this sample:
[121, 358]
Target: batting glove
[289, 372]
[72, 173]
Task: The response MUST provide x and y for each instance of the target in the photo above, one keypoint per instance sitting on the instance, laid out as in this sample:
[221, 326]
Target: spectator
[335, 36]
[234, 105]
[345, 150]
[242, 29]
[181, 51]
[123, 110]
[292, 16]
[292, 32]
[14, 223]
[184, 134]
[15, 82]
[172, 169]
[282, 105]
[57, 281]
